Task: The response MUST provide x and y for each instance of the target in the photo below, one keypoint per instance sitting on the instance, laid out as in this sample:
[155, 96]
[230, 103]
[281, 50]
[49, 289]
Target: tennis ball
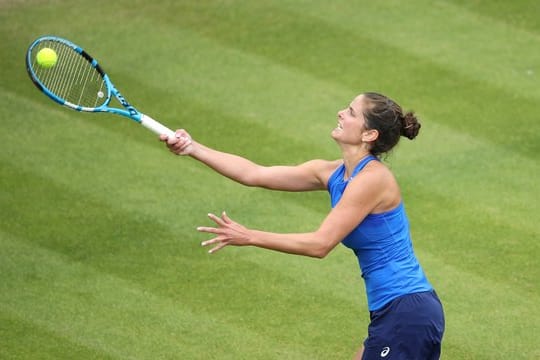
[46, 58]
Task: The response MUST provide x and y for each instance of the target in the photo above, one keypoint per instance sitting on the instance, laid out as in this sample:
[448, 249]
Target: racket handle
[155, 126]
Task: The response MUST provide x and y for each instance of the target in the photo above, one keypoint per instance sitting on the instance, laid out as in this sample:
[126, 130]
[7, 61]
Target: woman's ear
[370, 135]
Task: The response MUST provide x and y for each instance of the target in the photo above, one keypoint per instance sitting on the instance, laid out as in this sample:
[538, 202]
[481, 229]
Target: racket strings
[73, 78]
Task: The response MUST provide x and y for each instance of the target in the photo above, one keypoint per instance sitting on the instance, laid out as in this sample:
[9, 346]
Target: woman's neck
[352, 157]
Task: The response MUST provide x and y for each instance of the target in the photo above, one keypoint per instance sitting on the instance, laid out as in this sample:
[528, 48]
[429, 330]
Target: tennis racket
[78, 82]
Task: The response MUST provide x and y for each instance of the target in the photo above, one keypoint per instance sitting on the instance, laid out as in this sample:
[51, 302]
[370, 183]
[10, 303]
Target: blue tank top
[382, 244]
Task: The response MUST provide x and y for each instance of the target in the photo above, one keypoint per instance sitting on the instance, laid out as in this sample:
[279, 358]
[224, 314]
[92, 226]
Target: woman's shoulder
[382, 183]
[324, 168]
[379, 168]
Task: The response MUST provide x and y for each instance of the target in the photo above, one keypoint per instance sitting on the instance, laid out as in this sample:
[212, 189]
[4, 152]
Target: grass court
[99, 257]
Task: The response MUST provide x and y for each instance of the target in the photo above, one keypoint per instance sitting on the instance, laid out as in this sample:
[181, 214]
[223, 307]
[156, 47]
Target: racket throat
[133, 113]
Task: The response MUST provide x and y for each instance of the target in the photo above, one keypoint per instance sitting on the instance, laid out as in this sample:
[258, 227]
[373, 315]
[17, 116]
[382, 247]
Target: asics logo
[385, 351]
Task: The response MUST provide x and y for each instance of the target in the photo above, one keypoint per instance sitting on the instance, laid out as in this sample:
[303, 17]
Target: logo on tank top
[385, 351]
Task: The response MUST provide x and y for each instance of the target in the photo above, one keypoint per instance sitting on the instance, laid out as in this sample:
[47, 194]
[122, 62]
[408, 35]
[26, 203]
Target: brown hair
[386, 116]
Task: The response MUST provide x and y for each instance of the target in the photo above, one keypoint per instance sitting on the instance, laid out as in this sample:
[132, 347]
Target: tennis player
[367, 215]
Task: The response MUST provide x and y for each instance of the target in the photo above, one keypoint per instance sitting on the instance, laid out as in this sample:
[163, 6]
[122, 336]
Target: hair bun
[410, 125]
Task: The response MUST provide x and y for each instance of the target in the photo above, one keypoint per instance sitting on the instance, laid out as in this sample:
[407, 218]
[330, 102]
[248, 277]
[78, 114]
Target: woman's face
[351, 123]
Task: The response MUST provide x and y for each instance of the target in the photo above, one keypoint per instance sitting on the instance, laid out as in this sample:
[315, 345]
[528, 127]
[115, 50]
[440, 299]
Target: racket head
[76, 80]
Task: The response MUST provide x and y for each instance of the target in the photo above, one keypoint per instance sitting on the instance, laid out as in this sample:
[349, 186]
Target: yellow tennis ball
[46, 58]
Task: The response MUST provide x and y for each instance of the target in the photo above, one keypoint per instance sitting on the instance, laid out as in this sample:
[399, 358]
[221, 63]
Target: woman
[368, 216]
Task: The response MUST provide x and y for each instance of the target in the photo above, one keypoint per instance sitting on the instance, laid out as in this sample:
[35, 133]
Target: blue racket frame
[129, 111]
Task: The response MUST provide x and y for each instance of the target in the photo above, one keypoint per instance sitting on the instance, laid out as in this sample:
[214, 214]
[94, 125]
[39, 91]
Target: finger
[183, 143]
[225, 218]
[208, 230]
[180, 133]
[211, 241]
[171, 140]
[178, 146]
[217, 248]
[216, 219]
[185, 140]
[163, 137]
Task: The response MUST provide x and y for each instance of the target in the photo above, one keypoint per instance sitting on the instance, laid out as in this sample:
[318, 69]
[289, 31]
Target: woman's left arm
[361, 196]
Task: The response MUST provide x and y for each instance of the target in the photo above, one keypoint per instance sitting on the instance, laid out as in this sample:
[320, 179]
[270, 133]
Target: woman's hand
[181, 144]
[228, 232]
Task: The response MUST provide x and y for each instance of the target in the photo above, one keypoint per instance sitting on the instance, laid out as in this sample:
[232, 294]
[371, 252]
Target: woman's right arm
[311, 175]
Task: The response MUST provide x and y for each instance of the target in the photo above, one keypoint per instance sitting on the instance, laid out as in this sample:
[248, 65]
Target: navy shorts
[409, 327]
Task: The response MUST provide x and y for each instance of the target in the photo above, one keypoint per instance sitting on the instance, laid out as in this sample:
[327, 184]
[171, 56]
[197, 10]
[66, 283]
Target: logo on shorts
[385, 351]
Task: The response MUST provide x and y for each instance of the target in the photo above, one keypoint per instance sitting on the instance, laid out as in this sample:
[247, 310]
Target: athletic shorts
[409, 327]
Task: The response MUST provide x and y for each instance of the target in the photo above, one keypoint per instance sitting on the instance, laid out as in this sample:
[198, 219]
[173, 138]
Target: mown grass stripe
[112, 315]
[505, 310]
[468, 42]
[20, 339]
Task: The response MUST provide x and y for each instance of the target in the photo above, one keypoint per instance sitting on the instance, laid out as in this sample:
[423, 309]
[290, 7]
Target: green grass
[99, 257]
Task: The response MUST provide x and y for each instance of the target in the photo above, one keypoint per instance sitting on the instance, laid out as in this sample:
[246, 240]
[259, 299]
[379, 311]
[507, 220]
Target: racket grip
[155, 126]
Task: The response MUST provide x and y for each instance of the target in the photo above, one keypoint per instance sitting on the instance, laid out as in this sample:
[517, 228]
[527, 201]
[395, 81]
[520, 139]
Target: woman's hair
[385, 116]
